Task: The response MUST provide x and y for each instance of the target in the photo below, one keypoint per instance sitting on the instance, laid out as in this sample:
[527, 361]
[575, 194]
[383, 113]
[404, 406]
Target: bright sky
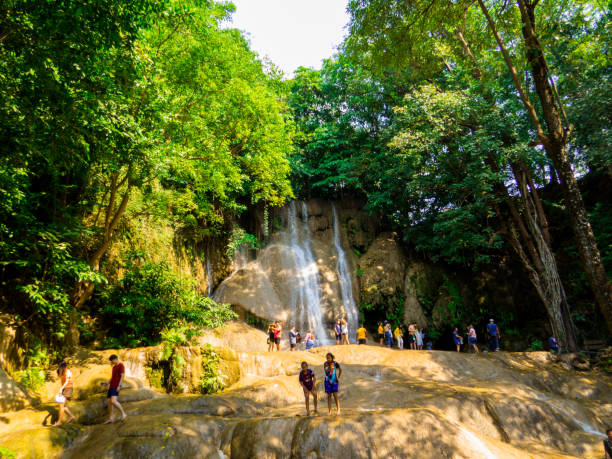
[292, 33]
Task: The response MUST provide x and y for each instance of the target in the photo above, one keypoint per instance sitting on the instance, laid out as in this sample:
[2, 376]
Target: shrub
[151, 298]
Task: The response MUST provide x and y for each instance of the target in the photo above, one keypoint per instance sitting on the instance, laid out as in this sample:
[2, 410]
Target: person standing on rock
[361, 334]
[419, 339]
[412, 336]
[494, 336]
[114, 386]
[277, 334]
[388, 335]
[293, 335]
[332, 380]
[381, 333]
[608, 444]
[65, 393]
[345, 331]
[472, 339]
[309, 340]
[457, 339]
[271, 328]
[338, 330]
[308, 382]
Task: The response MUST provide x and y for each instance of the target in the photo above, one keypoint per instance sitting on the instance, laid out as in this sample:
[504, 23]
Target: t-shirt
[492, 329]
[361, 333]
[396, 333]
[307, 379]
[331, 369]
[338, 329]
[472, 333]
[118, 370]
[67, 379]
[277, 332]
[412, 329]
[292, 337]
[553, 342]
[380, 330]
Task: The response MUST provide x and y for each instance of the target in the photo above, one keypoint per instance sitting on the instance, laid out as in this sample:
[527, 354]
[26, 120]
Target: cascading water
[209, 277]
[344, 276]
[306, 298]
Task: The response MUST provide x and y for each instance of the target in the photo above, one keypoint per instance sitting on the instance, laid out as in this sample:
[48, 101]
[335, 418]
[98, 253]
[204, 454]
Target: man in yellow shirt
[399, 337]
[361, 335]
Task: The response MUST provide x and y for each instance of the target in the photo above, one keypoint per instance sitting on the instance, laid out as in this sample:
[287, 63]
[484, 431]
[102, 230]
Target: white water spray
[306, 298]
[209, 277]
[344, 276]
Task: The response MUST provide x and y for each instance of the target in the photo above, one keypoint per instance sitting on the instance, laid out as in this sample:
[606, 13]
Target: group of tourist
[389, 338]
[493, 335]
[66, 391]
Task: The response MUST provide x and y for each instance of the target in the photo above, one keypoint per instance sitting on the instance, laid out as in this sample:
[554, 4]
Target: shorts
[472, 341]
[271, 337]
[112, 392]
[292, 345]
[309, 389]
[457, 341]
[362, 341]
[277, 340]
[380, 336]
[338, 337]
[330, 388]
[67, 392]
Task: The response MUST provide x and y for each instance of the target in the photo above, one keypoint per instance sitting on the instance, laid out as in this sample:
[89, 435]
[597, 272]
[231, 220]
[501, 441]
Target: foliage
[240, 238]
[536, 345]
[151, 298]
[6, 453]
[210, 381]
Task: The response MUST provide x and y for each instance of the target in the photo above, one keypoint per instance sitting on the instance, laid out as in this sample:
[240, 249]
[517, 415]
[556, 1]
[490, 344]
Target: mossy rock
[42, 442]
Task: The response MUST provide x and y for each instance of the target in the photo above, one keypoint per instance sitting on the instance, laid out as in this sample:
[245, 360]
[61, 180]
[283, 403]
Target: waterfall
[306, 298]
[346, 285]
[209, 277]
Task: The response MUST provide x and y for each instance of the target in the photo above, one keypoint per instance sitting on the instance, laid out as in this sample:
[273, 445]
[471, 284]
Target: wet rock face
[393, 404]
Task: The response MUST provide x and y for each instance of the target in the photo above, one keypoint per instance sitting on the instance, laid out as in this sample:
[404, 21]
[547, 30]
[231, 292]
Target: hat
[491, 320]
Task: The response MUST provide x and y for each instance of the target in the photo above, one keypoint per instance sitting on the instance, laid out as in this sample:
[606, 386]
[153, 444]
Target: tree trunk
[554, 145]
[83, 290]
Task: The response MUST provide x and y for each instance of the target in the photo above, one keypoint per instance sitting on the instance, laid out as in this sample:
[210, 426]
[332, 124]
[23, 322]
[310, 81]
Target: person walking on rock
[308, 382]
[114, 386]
[362, 334]
[494, 335]
[65, 393]
[472, 339]
[332, 380]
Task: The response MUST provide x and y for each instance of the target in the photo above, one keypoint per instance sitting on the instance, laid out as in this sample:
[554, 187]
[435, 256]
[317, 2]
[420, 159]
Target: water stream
[344, 276]
[306, 298]
[209, 277]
